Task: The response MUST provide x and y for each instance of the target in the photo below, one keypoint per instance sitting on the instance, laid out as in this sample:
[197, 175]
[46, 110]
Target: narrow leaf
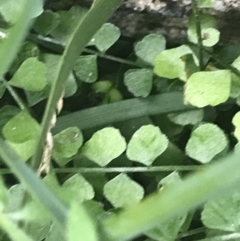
[33, 184]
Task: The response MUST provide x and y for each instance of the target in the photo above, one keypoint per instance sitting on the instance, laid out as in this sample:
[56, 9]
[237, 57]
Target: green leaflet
[139, 81]
[146, 144]
[208, 88]
[122, 191]
[31, 75]
[206, 141]
[104, 146]
[21, 128]
[105, 37]
[149, 47]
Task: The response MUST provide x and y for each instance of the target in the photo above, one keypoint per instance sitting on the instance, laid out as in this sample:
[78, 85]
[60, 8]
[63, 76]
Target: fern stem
[15, 96]
[196, 14]
[54, 45]
[117, 169]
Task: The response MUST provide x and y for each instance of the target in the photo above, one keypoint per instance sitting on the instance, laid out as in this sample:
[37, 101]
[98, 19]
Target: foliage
[88, 201]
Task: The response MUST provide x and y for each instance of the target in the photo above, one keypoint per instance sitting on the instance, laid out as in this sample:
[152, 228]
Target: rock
[137, 18]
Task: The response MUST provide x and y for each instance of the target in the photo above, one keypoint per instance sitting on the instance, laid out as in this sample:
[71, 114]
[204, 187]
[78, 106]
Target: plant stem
[223, 64]
[118, 169]
[191, 232]
[196, 14]
[219, 61]
[59, 48]
[116, 59]
[15, 95]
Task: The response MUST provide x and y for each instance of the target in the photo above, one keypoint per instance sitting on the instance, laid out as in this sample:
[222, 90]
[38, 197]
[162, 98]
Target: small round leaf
[208, 88]
[174, 177]
[12, 10]
[191, 117]
[25, 150]
[104, 146]
[206, 142]
[31, 75]
[86, 68]
[210, 37]
[46, 22]
[6, 113]
[139, 81]
[105, 37]
[34, 97]
[67, 143]
[68, 22]
[21, 128]
[223, 214]
[122, 191]
[169, 64]
[149, 47]
[146, 144]
[82, 189]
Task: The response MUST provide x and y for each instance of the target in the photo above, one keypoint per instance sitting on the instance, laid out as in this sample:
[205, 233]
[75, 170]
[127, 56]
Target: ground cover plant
[104, 138]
